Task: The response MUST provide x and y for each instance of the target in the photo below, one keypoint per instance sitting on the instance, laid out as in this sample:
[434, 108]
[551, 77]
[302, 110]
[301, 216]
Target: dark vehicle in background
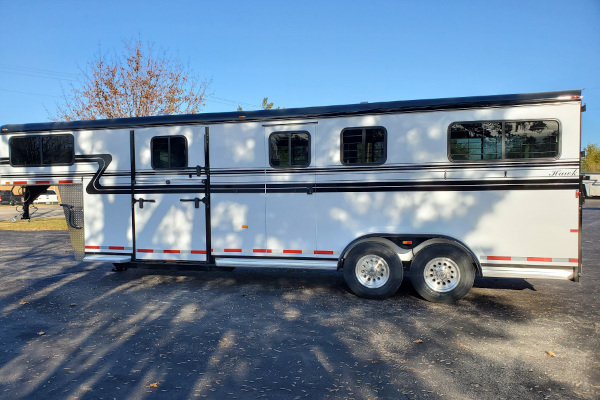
[7, 197]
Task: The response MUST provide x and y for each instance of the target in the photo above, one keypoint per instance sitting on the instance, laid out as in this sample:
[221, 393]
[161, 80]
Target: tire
[373, 271]
[442, 273]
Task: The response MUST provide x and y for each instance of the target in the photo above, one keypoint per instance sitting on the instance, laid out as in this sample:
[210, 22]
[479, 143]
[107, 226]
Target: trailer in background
[592, 184]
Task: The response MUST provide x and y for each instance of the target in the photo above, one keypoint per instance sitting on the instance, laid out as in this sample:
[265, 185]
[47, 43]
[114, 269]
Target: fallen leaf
[41, 333]
[73, 304]
[154, 385]
[22, 303]
[551, 354]
[417, 341]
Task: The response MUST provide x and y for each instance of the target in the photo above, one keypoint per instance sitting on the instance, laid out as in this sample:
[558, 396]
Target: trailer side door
[168, 186]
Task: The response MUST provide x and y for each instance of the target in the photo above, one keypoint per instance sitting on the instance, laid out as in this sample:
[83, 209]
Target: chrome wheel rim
[441, 274]
[372, 271]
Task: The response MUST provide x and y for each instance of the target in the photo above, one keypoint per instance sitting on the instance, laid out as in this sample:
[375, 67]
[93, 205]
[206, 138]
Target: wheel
[373, 270]
[442, 273]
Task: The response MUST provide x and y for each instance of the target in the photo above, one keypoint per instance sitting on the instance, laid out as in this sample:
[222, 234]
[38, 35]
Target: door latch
[142, 201]
[196, 201]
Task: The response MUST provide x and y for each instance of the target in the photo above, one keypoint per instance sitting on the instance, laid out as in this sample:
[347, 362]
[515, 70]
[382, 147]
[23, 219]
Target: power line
[225, 100]
[32, 93]
[38, 71]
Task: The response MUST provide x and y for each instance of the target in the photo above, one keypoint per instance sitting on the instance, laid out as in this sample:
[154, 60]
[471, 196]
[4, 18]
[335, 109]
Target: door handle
[196, 201]
[142, 201]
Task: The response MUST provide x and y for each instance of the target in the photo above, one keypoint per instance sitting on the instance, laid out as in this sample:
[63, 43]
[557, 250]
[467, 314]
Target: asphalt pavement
[36, 211]
[70, 330]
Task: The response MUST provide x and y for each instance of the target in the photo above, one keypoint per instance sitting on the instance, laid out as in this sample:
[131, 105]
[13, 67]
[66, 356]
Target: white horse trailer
[441, 189]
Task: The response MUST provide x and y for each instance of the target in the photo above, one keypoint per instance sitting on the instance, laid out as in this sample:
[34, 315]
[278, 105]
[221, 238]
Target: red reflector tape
[116, 248]
[198, 251]
[541, 259]
[42, 182]
[93, 247]
[292, 251]
[232, 250]
[330, 252]
[498, 258]
[145, 251]
[262, 250]
[65, 182]
[574, 230]
[20, 183]
[171, 251]
[574, 260]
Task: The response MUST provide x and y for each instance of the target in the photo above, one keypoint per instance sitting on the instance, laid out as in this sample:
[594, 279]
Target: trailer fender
[457, 243]
[405, 255]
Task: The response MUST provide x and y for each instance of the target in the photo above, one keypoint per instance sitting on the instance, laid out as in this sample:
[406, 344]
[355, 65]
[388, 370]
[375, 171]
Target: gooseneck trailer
[442, 190]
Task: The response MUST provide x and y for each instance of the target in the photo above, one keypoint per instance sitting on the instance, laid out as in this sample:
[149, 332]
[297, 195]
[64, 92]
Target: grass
[36, 224]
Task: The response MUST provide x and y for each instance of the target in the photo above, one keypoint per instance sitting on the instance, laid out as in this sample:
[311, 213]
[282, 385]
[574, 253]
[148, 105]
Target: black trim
[103, 160]
[131, 189]
[207, 189]
[320, 170]
[345, 187]
[308, 112]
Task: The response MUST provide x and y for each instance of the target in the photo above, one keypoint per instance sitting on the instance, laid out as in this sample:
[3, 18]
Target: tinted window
[57, 149]
[42, 150]
[363, 145]
[289, 149]
[169, 152]
[531, 139]
[493, 140]
[476, 141]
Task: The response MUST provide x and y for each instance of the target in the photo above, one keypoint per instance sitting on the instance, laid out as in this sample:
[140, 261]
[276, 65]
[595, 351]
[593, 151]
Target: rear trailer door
[168, 186]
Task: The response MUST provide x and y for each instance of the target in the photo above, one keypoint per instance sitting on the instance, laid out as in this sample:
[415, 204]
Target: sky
[310, 53]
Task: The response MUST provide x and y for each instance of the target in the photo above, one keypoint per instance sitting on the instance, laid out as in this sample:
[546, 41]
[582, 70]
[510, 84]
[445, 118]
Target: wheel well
[407, 246]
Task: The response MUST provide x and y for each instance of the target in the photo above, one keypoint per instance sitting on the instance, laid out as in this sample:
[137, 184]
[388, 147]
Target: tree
[265, 105]
[591, 161]
[136, 83]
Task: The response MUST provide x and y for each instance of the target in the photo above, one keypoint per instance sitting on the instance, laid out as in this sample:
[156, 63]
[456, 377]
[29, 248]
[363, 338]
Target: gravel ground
[70, 330]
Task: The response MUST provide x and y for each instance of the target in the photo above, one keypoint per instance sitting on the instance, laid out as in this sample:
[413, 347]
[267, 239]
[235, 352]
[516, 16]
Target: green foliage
[265, 105]
[591, 161]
